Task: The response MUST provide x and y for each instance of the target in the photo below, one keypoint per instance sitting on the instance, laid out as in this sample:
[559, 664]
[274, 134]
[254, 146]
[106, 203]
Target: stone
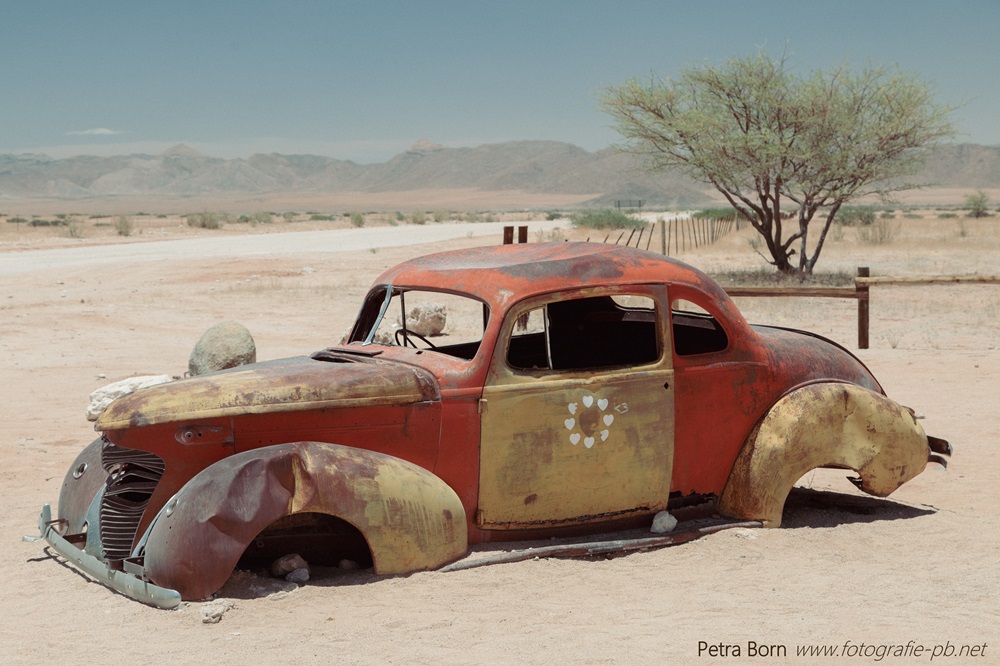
[286, 564]
[104, 396]
[211, 613]
[299, 576]
[427, 319]
[663, 522]
[225, 345]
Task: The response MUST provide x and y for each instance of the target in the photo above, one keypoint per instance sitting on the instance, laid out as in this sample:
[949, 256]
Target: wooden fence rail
[861, 292]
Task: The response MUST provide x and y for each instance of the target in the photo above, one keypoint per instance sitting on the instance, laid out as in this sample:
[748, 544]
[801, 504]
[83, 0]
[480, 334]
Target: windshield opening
[446, 323]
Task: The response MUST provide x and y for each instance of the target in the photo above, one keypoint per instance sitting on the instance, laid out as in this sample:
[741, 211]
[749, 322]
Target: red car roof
[502, 273]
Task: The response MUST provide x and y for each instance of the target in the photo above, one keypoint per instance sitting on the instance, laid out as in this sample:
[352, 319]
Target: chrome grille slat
[133, 476]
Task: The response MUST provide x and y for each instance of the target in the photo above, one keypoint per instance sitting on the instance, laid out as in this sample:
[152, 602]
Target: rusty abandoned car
[577, 386]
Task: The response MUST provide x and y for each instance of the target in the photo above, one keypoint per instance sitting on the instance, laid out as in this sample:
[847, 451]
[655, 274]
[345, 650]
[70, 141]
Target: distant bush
[441, 215]
[320, 218]
[881, 232]
[605, 219]
[48, 223]
[715, 214]
[205, 220]
[358, 220]
[552, 216]
[418, 217]
[888, 215]
[399, 216]
[946, 216]
[855, 216]
[123, 225]
[977, 204]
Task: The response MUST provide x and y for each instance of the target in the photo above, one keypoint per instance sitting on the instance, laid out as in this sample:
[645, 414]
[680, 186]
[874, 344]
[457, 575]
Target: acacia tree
[765, 138]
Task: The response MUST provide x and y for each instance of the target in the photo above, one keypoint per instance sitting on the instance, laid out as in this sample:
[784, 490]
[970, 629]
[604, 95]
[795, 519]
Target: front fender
[410, 518]
[823, 425]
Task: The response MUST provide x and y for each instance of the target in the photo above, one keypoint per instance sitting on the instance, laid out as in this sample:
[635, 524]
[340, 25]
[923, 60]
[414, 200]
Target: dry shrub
[882, 231]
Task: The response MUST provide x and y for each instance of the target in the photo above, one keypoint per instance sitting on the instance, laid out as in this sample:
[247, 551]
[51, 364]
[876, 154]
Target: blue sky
[364, 80]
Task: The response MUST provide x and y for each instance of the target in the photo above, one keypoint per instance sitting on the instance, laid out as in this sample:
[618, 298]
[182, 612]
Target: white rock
[663, 522]
[104, 396]
[427, 319]
[212, 613]
[286, 564]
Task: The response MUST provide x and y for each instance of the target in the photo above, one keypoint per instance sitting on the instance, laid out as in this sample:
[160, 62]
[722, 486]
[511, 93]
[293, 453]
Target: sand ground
[844, 570]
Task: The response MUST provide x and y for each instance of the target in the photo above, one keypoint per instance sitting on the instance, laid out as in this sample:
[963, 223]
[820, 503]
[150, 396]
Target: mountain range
[529, 166]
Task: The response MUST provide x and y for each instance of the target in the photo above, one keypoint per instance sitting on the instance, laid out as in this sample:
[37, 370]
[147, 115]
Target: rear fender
[823, 425]
[410, 518]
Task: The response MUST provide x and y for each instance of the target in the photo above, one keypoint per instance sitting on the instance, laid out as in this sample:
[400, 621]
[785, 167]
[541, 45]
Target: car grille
[132, 478]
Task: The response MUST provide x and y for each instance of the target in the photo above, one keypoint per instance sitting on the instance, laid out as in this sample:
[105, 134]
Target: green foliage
[320, 218]
[946, 216]
[856, 216]
[977, 204]
[606, 218]
[764, 136]
[418, 217]
[123, 225]
[205, 220]
[400, 217]
[715, 214]
[441, 215]
[47, 223]
[357, 220]
[288, 216]
[553, 215]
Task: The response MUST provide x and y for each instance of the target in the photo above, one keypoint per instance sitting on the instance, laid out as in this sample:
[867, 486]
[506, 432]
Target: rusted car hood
[274, 386]
[809, 357]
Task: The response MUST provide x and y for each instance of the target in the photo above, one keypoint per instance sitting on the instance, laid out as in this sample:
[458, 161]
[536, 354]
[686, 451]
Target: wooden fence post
[863, 311]
[663, 237]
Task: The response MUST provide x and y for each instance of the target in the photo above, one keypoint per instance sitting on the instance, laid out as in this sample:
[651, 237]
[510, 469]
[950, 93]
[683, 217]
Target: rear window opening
[695, 330]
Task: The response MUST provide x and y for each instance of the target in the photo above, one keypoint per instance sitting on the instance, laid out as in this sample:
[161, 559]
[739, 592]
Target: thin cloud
[97, 131]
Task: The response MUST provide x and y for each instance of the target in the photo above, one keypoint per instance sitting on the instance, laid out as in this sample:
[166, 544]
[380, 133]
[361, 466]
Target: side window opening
[583, 333]
[695, 330]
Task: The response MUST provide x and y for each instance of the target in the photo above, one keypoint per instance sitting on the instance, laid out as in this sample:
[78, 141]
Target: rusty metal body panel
[824, 425]
[411, 519]
[427, 450]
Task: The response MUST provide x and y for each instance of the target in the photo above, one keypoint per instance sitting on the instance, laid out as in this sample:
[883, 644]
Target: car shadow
[809, 507]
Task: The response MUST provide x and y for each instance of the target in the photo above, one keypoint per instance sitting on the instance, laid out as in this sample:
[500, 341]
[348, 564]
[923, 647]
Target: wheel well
[321, 539]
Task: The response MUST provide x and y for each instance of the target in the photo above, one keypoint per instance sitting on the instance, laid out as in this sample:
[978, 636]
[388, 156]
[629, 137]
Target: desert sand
[846, 571]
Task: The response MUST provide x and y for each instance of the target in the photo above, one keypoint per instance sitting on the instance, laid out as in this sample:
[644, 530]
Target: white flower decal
[589, 422]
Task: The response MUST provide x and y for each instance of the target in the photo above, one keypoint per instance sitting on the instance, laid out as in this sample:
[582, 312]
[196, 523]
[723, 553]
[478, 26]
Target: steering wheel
[402, 336]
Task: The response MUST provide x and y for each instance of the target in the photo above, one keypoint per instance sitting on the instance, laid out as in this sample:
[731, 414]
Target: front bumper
[124, 582]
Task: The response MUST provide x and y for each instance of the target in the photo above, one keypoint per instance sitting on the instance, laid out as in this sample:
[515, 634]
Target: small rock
[286, 564]
[104, 396]
[225, 345]
[663, 522]
[349, 565]
[212, 613]
[427, 319]
[299, 576]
